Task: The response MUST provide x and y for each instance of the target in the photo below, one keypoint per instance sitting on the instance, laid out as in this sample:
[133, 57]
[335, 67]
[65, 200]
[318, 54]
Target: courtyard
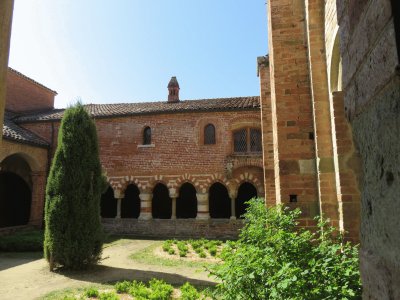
[25, 275]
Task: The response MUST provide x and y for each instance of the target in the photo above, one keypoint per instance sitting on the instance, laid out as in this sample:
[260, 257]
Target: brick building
[174, 167]
[330, 93]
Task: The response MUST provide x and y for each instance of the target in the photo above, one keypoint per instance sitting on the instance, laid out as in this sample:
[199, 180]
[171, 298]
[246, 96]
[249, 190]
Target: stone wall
[371, 86]
[180, 228]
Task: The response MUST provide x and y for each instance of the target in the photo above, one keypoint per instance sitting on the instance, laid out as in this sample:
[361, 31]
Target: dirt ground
[27, 276]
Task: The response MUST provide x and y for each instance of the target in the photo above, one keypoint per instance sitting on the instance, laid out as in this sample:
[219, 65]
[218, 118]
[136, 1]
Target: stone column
[233, 195]
[173, 195]
[118, 216]
[118, 195]
[145, 206]
[203, 212]
[38, 195]
[6, 11]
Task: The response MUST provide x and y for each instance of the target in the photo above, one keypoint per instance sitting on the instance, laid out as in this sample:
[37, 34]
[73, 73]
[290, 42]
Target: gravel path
[27, 276]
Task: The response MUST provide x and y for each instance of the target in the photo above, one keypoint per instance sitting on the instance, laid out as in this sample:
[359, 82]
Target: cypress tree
[73, 231]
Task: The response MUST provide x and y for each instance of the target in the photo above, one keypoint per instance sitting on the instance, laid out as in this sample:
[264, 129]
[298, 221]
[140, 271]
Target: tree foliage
[273, 259]
[73, 232]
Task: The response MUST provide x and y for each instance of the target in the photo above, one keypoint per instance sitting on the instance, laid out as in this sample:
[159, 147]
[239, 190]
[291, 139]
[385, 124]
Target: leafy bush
[92, 292]
[139, 290]
[189, 292]
[171, 251]
[160, 290]
[213, 250]
[122, 287]
[22, 241]
[73, 232]
[275, 260]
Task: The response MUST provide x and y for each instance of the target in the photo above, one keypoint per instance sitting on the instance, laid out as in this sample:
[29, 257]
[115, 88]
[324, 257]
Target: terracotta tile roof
[12, 131]
[127, 109]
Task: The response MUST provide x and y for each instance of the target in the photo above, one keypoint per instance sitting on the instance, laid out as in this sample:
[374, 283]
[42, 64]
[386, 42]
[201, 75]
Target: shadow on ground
[14, 259]
[105, 274]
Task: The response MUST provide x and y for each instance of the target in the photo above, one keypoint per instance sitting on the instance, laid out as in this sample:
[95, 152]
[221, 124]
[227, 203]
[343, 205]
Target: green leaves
[275, 260]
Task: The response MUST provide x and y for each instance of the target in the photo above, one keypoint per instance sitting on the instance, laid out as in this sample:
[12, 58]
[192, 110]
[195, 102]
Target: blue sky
[126, 50]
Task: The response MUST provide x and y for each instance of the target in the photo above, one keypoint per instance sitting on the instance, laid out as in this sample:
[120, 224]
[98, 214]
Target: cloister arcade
[185, 202]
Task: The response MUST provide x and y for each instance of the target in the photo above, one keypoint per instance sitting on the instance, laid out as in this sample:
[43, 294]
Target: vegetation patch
[153, 290]
[22, 241]
[197, 249]
[155, 255]
[274, 259]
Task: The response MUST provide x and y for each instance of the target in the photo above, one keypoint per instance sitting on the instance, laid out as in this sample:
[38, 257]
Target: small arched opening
[219, 201]
[246, 192]
[130, 205]
[15, 200]
[162, 203]
[186, 203]
[108, 204]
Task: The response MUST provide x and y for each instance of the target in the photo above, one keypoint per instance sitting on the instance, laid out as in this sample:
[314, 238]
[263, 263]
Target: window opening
[209, 134]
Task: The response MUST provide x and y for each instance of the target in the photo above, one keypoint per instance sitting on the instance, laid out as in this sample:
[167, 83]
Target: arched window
[147, 136]
[209, 134]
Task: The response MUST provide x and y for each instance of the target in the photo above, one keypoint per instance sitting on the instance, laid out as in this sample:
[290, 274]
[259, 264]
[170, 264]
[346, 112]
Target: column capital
[173, 193]
[145, 196]
[118, 194]
[202, 196]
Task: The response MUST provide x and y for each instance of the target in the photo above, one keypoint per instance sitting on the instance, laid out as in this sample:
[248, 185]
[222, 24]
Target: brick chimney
[173, 90]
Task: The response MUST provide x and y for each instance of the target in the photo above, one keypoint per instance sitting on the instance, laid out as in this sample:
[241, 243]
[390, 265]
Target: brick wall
[24, 94]
[292, 119]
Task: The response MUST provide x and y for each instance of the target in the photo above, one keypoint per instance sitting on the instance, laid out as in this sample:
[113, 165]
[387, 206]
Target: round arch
[108, 204]
[246, 192]
[219, 201]
[15, 200]
[130, 205]
[186, 203]
[161, 203]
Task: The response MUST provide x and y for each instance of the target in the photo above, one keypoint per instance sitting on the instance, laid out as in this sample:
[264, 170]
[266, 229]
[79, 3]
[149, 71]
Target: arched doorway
[162, 203]
[219, 202]
[245, 193]
[15, 200]
[130, 205]
[108, 204]
[186, 203]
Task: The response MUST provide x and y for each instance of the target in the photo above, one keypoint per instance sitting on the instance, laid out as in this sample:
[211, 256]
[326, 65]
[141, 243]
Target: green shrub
[108, 296]
[189, 292]
[171, 251]
[213, 251]
[139, 290]
[91, 292]
[275, 260]
[122, 287]
[73, 232]
[22, 241]
[167, 245]
[160, 290]
[202, 254]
